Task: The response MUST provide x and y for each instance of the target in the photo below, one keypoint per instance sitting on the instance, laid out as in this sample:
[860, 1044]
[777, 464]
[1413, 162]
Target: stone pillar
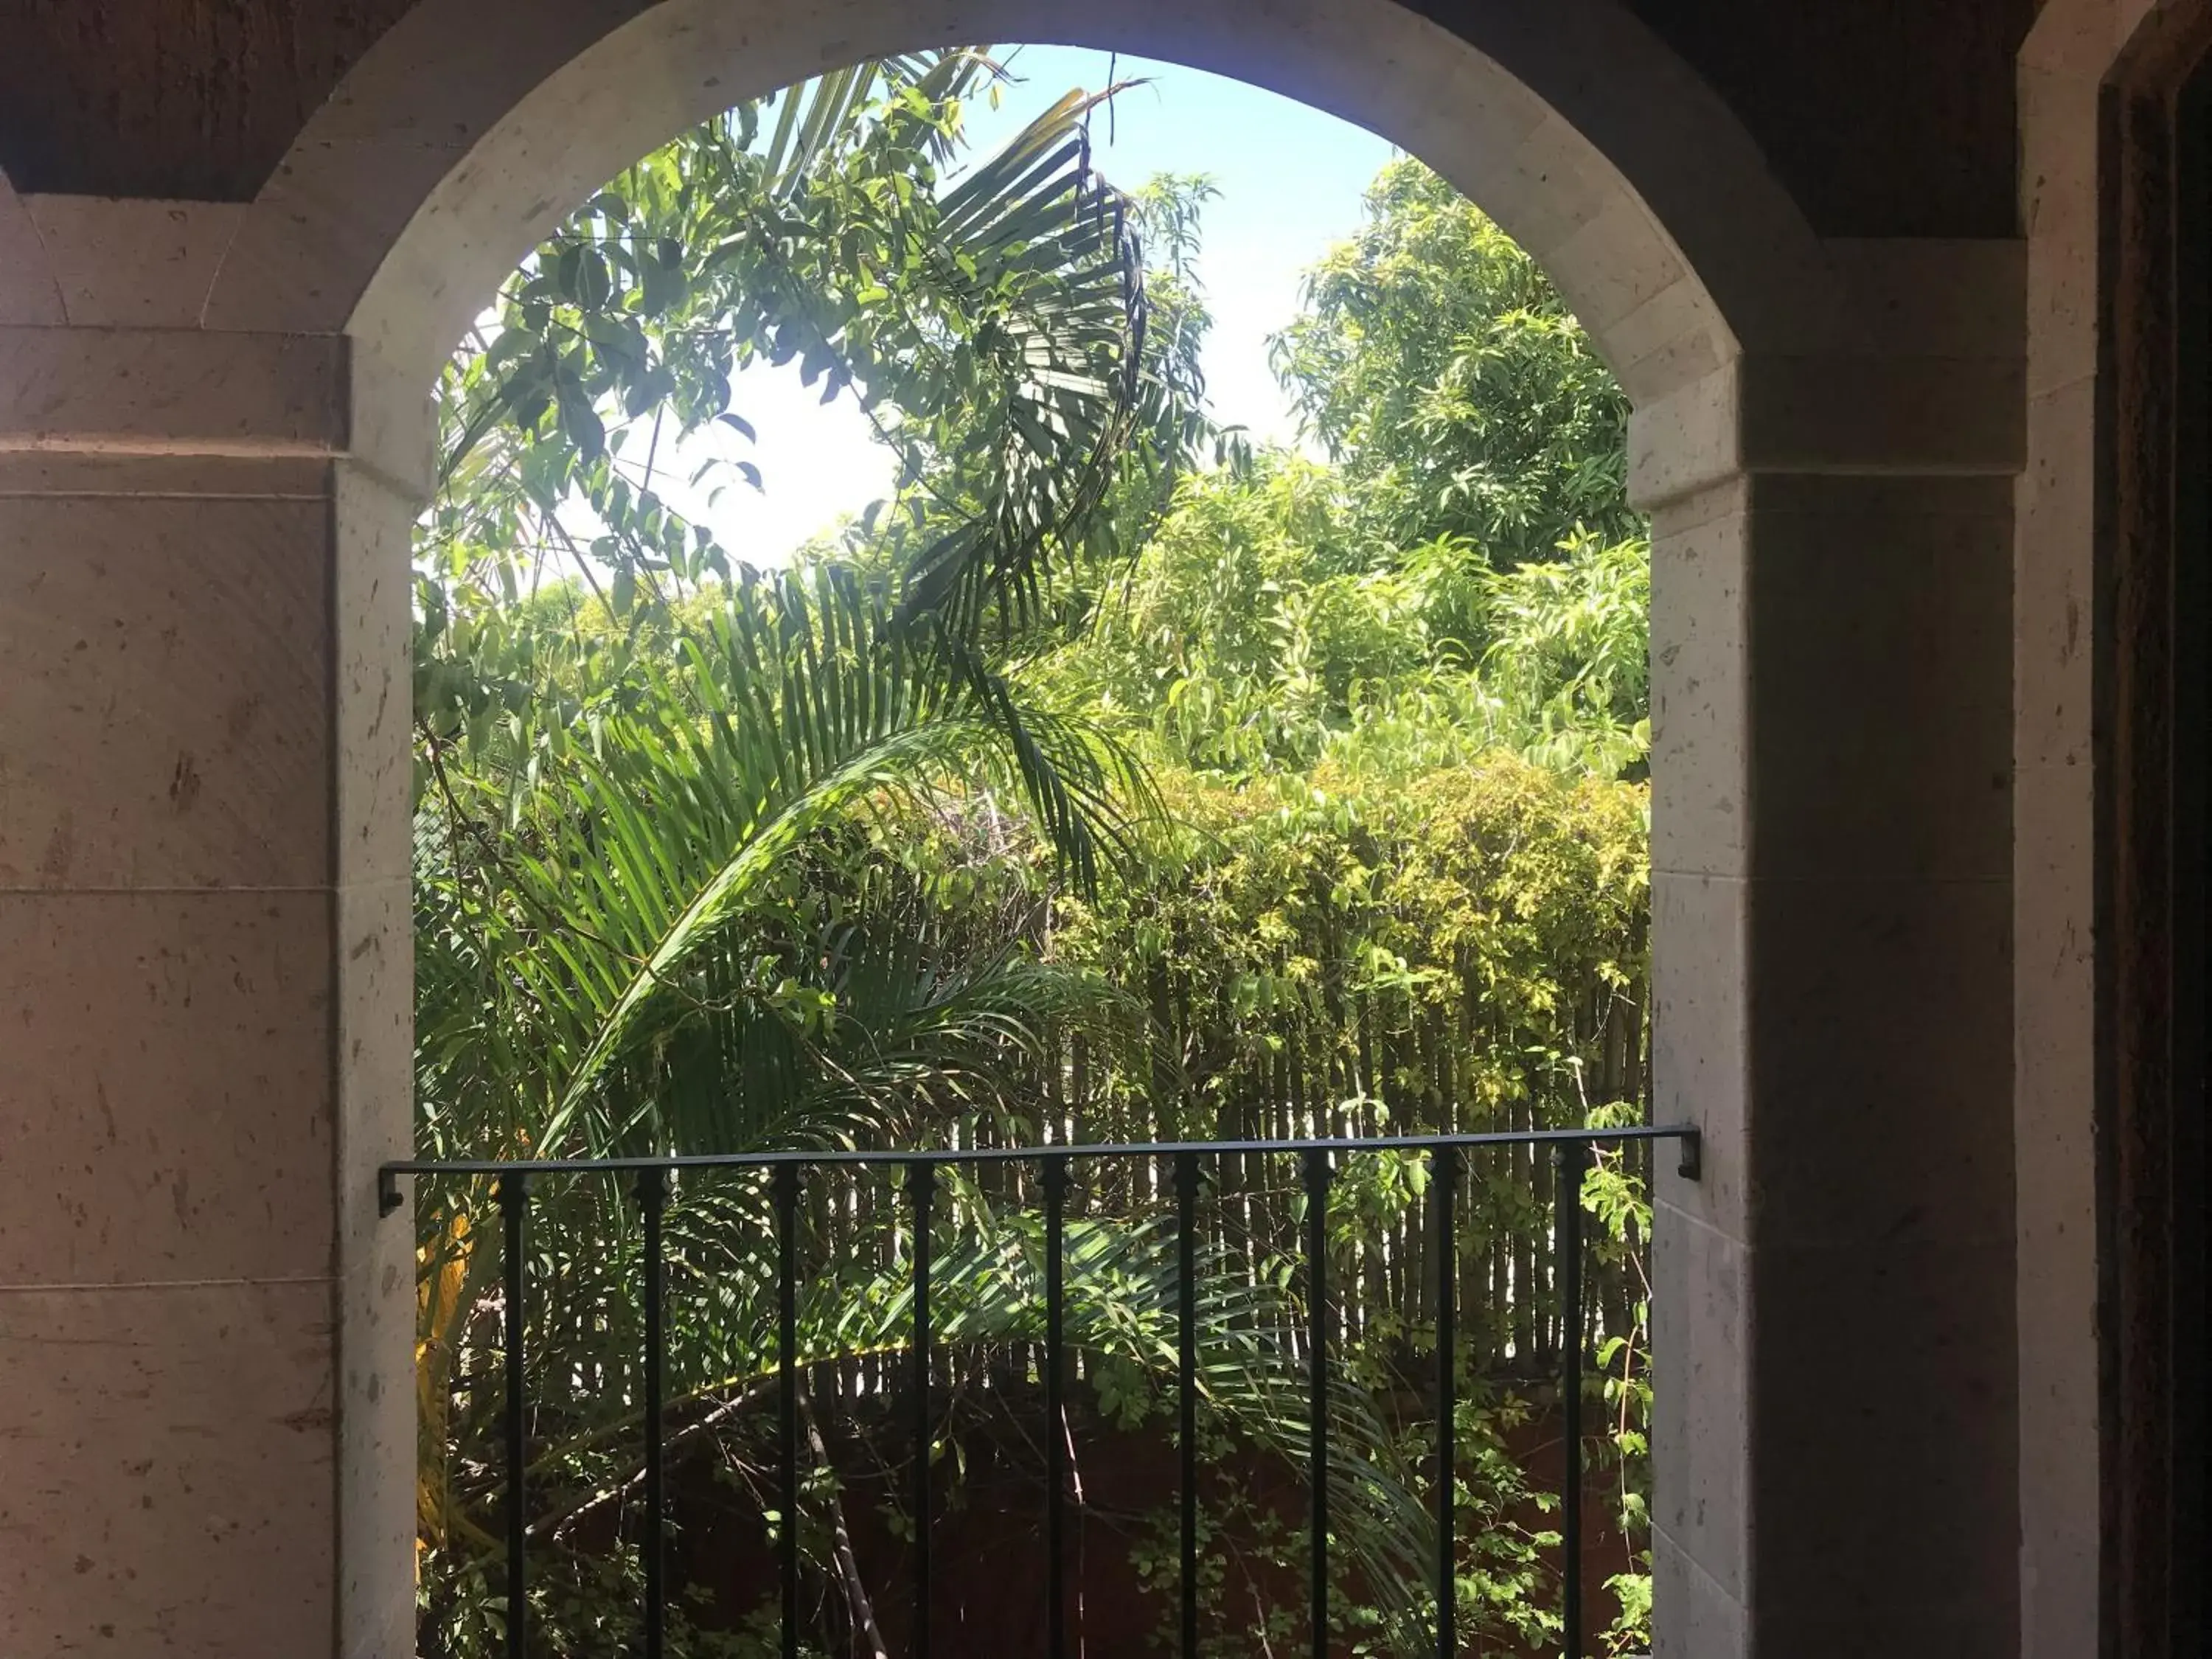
[206, 1408]
[2063, 74]
[1831, 899]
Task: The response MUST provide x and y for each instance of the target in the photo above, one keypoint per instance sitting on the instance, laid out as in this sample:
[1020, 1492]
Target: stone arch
[1825, 432]
[461, 137]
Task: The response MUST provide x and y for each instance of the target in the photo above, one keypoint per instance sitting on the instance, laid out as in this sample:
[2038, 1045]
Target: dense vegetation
[1108, 782]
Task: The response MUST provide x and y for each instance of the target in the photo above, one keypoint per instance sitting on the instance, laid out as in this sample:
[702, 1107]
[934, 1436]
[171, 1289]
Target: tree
[1465, 572]
[1443, 371]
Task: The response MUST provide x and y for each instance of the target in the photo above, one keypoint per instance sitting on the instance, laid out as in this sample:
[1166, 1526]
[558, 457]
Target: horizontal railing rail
[1571, 1150]
[1684, 1135]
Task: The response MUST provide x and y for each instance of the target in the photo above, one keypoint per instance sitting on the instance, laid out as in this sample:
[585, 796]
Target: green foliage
[991, 325]
[1073, 793]
[1443, 371]
[1264, 628]
[1308, 919]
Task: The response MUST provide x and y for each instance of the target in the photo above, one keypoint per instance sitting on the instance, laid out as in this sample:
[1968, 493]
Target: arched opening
[1653, 317]
[1825, 432]
[1341, 550]
[452, 146]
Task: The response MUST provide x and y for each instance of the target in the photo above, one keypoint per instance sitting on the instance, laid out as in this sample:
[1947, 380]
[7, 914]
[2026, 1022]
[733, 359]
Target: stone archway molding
[459, 139]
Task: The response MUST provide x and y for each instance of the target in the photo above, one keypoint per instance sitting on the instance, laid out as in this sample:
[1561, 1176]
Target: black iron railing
[1184, 1164]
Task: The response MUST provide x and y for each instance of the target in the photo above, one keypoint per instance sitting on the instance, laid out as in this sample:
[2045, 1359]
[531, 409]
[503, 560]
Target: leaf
[581, 426]
[592, 284]
[657, 386]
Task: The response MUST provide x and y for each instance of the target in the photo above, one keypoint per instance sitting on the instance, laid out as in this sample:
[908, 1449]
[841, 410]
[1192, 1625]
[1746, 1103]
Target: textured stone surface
[134, 264]
[166, 1470]
[1879, 658]
[167, 1091]
[205, 967]
[2055, 616]
[1703, 1620]
[2060, 1508]
[375, 692]
[375, 1560]
[1701, 1001]
[28, 293]
[1699, 683]
[171, 390]
[1881, 1042]
[1703, 1459]
[167, 720]
[1832, 938]
[1885, 1374]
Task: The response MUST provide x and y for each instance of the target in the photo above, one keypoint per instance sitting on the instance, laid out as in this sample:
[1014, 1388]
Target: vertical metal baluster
[1055, 1328]
[1443, 1180]
[1186, 1176]
[921, 1187]
[513, 1211]
[787, 1365]
[653, 1199]
[1317, 1179]
[1573, 1160]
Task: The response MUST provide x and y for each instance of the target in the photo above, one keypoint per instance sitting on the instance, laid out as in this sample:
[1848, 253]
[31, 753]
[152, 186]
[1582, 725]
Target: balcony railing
[781, 1180]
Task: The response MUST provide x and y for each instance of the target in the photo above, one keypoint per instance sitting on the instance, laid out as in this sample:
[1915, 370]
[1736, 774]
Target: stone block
[28, 293]
[2059, 213]
[166, 1098]
[168, 719]
[1873, 414]
[67, 472]
[1691, 1617]
[1881, 1052]
[1878, 661]
[166, 1470]
[306, 251]
[376, 1451]
[374, 584]
[1883, 1394]
[1620, 260]
[1702, 1462]
[1668, 341]
[2055, 1165]
[171, 391]
[2054, 602]
[1958, 299]
[1700, 785]
[1687, 442]
[376, 1035]
[133, 263]
[1701, 996]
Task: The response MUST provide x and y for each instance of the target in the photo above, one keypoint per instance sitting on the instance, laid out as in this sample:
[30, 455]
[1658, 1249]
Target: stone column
[1831, 898]
[206, 1409]
[2062, 74]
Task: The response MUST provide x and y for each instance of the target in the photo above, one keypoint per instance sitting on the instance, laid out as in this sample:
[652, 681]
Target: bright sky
[1290, 180]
